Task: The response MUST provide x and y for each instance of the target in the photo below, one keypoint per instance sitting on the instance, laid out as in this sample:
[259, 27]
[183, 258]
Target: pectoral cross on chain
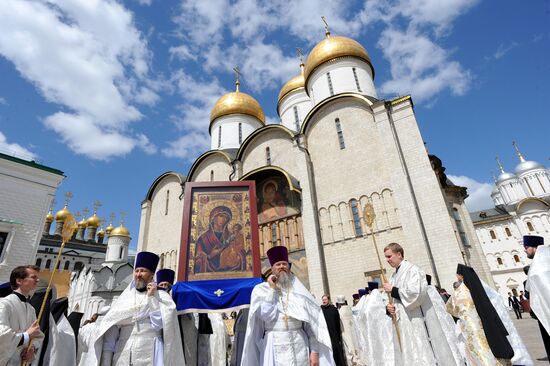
[285, 318]
[219, 292]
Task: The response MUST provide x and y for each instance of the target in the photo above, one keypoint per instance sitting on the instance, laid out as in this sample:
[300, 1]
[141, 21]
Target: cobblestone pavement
[530, 334]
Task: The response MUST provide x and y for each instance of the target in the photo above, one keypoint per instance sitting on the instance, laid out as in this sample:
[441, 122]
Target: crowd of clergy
[402, 321]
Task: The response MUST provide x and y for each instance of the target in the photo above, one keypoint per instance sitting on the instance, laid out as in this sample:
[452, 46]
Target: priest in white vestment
[87, 336]
[141, 328]
[349, 332]
[409, 289]
[285, 325]
[18, 326]
[382, 346]
[538, 284]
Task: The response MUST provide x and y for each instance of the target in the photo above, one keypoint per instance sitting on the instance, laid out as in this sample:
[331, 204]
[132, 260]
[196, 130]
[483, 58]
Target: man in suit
[514, 303]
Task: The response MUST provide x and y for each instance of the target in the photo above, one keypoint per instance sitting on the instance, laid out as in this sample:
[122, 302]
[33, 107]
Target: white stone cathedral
[522, 207]
[337, 147]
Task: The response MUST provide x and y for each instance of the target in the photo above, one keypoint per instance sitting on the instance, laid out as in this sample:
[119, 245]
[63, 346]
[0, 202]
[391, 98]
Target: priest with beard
[332, 317]
[141, 328]
[285, 324]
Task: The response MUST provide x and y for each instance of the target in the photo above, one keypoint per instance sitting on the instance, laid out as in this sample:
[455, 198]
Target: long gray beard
[141, 285]
[285, 280]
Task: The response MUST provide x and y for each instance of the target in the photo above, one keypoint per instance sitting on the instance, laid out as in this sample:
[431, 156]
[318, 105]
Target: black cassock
[332, 316]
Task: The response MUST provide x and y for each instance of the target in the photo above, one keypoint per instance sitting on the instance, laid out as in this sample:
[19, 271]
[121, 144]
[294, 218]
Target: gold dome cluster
[237, 103]
[93, 221]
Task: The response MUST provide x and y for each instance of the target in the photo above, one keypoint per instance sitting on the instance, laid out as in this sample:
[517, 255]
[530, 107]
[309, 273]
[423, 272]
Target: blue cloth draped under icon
[210, 295]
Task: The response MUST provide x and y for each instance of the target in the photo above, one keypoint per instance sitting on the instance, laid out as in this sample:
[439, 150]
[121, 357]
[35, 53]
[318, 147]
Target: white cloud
[182, 52]
[504, 49]
[88, 57]
[479, 193]
[145, 2]
[187, 146]
[3, 101]
[15, 149]
[420, 67]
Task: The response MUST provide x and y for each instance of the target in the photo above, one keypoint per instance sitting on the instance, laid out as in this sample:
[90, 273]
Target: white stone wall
[342, 79]
[161, 222]
[25, 198]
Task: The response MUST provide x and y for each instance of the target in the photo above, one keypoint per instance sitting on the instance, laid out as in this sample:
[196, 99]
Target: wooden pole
[368, 217]
[69, 225]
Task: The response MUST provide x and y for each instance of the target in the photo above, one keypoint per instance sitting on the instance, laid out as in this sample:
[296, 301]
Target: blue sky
[116, 93]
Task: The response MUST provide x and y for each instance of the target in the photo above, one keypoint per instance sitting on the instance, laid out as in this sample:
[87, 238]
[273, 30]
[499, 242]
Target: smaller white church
[522, 207]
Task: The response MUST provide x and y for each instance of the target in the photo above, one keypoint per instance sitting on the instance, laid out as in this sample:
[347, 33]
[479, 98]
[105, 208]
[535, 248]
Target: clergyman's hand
[151, 289]
[272, 281]
[27, 355]
[34, 330]
[314, 359]
[387, 287]
[391, 309]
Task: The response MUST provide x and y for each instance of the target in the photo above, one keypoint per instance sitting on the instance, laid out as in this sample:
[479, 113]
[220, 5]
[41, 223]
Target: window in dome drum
[296, 118]
[330, 89]
[219, 137]
[240, 133]
[356, 80]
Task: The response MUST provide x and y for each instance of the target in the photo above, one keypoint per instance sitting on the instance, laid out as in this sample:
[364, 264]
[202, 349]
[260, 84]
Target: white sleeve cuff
[25, 338]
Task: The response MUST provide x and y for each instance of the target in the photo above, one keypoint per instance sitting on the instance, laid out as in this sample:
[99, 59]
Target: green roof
[31, 164]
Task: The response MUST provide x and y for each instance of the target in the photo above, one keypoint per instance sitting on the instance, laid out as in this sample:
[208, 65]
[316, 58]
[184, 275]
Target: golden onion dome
[332, 48]
[49, 216]
[237, 103]
[62, 214]
[109, 229]
[82, 223]
[295, 83]
[120, 231]
[93, 221]
[101, 233]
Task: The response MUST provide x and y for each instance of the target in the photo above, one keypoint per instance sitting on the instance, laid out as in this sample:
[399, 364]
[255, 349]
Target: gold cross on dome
[122, 216]
[300, 54]
[219, 292]
[237, 74]
[97, 205]
[68, 197]
[327, 32]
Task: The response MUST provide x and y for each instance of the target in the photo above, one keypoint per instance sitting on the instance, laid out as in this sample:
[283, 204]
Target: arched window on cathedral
[78, 266]
[356, 219]
[166, 203]
[530, 226]
[330, 88]
[340, 133]
[493, 235]
[508, 232]
[161, 264]
[273, 234]
[356, 79]
[211, 175]
[516, 258]
[48, 264]
[38, 262]
[240, 133]
[267, 156]
[499, 261]
[219, 137]
[66, 266]
[120, 253]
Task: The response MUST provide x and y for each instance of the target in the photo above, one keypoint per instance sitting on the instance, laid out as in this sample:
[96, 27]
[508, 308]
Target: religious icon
[216, 238]
[276, 201]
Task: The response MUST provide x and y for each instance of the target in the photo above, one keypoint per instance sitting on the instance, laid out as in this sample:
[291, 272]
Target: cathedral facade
[522, 207]
[338, 146]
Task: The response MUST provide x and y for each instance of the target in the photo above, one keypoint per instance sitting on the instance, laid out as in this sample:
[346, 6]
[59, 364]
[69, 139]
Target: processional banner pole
[368, 217]
[69, 226]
